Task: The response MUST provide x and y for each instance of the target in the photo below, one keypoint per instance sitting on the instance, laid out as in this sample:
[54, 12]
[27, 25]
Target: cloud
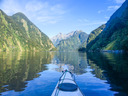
[45, 12]
[57, 9]
[100, 11]
[35, 6]
[42, 11]
[48, 19]
[106, 17]
[92, 23]
[119, 1]
[10, 7]
[112, 8]
[86, 22]
[96, 23]
[83, 20]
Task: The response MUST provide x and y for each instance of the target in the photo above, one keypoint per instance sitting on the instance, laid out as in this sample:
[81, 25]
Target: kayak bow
[67, 86]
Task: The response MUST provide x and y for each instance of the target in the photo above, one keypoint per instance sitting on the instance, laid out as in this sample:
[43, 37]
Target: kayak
[67, 86]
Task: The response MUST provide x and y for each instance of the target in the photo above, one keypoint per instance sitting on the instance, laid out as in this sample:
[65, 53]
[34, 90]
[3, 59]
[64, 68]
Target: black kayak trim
[67, 87]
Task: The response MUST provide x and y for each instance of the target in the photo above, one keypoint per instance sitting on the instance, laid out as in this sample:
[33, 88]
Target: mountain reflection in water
[37, 73]
[18, 67]
[112, 67]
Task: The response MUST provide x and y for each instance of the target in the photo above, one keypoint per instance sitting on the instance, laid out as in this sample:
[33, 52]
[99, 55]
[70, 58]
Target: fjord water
[37, 73]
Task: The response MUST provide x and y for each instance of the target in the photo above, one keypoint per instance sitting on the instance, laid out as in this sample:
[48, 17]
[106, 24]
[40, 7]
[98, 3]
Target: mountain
[94, 34]
[56, 39]
[115, 34]
[17, 32]
[91, 37]
[73, 42]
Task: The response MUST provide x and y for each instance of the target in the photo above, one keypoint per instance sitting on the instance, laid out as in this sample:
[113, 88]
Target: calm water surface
[37, 73]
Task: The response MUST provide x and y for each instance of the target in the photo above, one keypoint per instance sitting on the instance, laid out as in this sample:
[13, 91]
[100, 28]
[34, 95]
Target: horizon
[63, 17]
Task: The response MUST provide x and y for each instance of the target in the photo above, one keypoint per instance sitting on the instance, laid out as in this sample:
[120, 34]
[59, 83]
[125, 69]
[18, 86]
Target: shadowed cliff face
[17, 32]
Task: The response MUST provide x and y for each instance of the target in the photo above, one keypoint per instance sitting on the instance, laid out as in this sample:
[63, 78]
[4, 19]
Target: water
[37, 73]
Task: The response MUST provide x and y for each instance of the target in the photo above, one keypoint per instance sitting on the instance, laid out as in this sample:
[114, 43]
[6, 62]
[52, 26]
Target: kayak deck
[67, 86]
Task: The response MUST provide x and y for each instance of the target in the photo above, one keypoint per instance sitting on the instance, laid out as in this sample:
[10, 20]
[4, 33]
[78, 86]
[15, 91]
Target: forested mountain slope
[115, 34]
[17, 32]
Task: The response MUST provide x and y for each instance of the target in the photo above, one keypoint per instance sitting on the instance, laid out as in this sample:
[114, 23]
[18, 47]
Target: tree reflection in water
[113, 67]
[109, 69]
[18, 67]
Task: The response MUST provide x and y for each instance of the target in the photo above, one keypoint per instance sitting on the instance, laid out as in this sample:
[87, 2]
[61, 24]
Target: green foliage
[91, 37]
[95, 33]
[19, 33]
[114, 36]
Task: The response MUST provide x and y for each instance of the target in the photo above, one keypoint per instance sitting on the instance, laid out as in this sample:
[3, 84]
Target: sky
[63, 16]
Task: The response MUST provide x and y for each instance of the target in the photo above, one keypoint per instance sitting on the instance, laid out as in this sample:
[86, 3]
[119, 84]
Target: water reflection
[96, 73]
[96, 70]
[76, 62]
[112, 67]
[18, 67]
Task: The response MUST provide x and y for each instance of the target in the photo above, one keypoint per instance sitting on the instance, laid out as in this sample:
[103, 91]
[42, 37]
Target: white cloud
[119, 1]
[44, 18]
[96, 23]
[48, 19]
[83, 20]
[35, 6]
[100, 11]
[10, 7]
[112, 7]
[106, 17]
[92, 23]
[57, 9]
[43, 12]
[86, 22]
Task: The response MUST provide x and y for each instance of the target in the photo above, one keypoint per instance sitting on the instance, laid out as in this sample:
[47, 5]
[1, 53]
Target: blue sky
[63, 16]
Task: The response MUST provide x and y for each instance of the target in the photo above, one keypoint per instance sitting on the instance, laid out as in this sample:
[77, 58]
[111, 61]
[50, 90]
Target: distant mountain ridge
[17, 32]
[73, 41]
[56, 39]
